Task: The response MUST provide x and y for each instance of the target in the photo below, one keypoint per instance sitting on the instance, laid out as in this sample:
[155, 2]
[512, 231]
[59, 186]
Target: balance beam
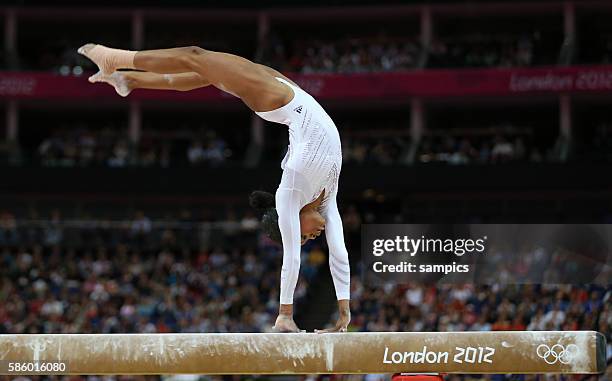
[570, 352]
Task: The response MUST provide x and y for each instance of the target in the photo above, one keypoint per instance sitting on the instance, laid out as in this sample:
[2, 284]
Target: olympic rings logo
[557, 353]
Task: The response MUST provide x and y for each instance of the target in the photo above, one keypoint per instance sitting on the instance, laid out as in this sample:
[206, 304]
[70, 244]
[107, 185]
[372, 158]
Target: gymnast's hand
[344, 318]
[285, 323]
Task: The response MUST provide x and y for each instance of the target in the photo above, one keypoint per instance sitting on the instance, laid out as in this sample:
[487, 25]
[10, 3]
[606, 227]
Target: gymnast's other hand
[344, 318]
[285, 323]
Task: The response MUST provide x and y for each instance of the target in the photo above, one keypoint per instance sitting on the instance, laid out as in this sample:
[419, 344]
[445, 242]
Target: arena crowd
[144, 275]
[213, 147]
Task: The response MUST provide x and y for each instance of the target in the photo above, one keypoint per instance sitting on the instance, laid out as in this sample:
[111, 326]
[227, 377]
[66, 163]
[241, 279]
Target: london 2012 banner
[445, 83]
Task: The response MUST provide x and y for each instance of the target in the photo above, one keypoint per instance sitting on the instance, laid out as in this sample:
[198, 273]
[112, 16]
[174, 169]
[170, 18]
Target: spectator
[120, 155]
[141, 225]
[196, 153]
[8, 229]
[53, 230]
[502, 151]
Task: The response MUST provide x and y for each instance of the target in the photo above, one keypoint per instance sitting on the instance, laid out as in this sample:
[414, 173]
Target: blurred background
[131, 214]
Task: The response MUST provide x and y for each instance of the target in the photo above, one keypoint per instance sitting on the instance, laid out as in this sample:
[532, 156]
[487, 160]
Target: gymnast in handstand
[305, 201]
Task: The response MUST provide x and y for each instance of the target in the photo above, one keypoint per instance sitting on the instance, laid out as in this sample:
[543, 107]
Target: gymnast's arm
[288, 205]
[338, 264]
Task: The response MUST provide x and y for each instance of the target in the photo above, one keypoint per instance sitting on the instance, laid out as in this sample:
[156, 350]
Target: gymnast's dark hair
[264, 204]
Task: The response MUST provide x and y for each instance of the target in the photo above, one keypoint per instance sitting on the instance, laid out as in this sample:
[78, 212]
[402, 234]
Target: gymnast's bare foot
[108, 59]
[119, 80]
[285, 323]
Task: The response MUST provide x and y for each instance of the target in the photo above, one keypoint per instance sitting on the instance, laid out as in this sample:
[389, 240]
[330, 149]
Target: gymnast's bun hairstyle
[264, 204]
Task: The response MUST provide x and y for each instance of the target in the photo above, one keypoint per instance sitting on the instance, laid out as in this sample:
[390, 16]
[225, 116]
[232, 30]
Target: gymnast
[305, 201]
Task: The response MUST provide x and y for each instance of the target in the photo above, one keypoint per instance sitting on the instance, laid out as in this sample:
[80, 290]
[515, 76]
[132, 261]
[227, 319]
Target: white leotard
[312, 165]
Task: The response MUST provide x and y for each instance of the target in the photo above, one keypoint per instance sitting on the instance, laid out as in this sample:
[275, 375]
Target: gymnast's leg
[251, 82]
[126, 81]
